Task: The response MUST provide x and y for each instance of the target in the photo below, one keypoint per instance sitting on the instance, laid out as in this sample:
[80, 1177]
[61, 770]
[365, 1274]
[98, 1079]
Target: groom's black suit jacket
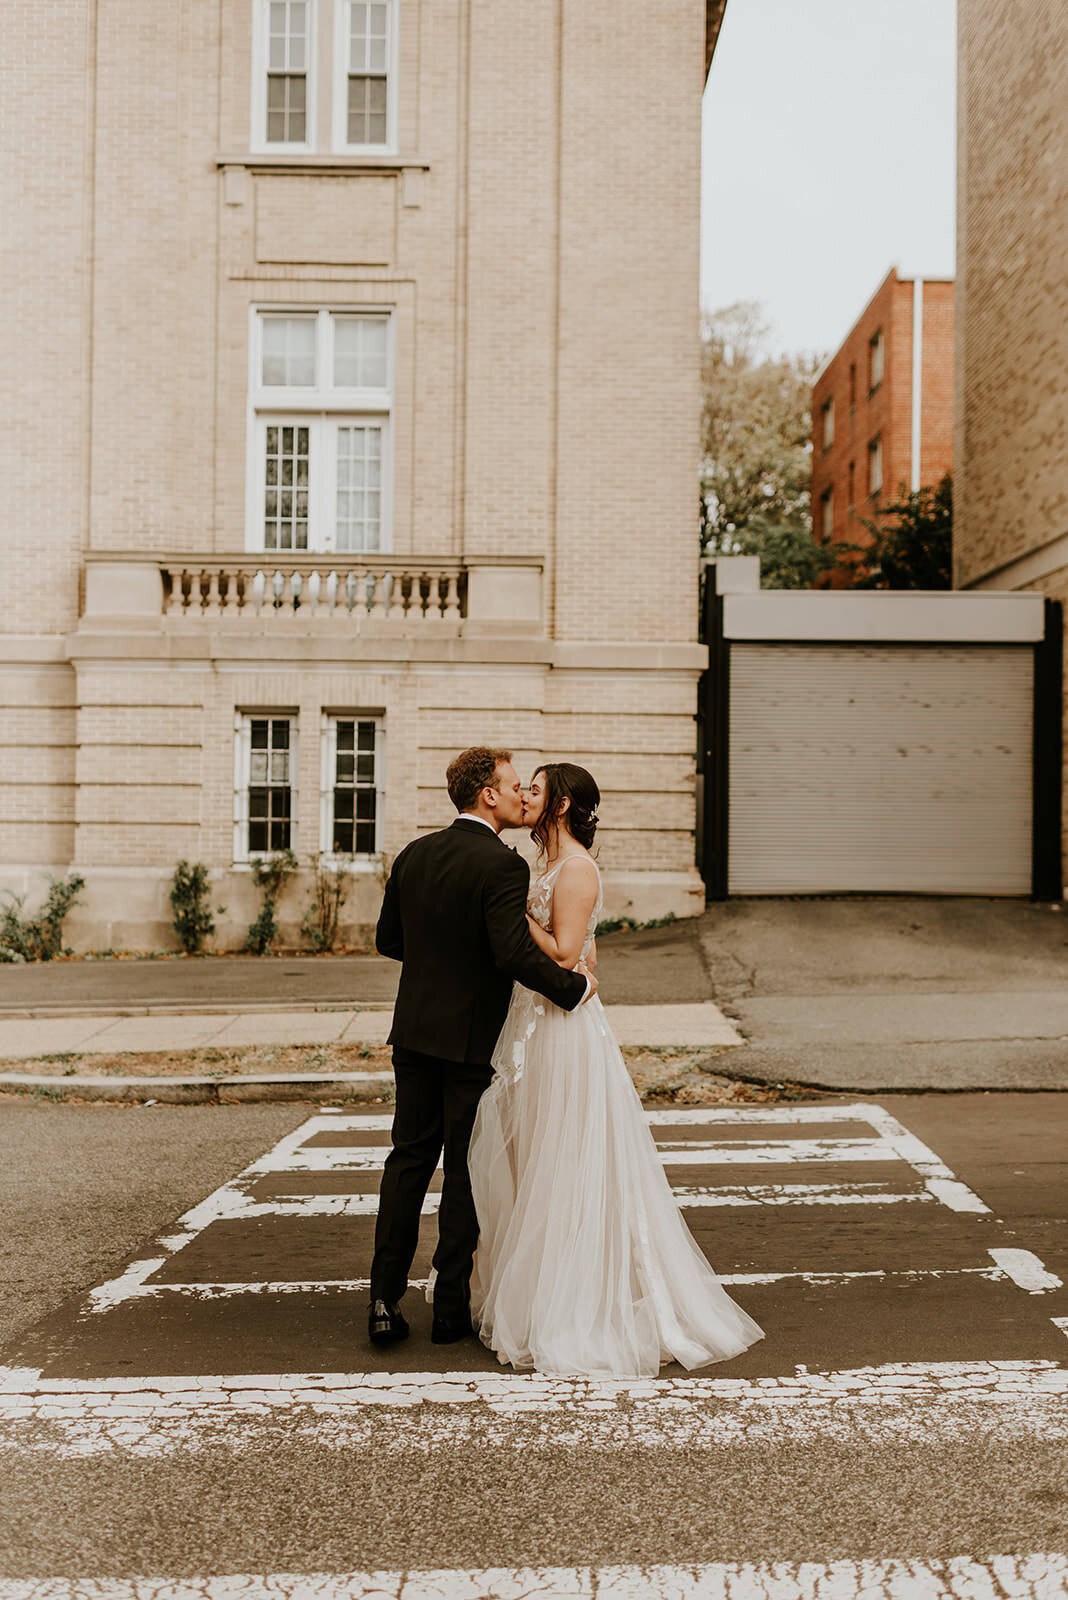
[454, 914]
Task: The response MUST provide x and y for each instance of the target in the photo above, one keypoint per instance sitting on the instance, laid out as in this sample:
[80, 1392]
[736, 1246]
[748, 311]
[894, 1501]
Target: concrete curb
[185, 1008]
[370, 1088]
[239, 1090]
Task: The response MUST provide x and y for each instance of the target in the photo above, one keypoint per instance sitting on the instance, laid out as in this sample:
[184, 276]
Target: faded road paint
[1041, 1576]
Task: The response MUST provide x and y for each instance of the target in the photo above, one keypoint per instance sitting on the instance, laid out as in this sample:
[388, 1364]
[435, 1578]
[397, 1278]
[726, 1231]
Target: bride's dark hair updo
[565, 781]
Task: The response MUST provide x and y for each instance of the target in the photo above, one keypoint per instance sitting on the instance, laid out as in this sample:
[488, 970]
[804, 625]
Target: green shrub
[628, 924]
[38, 938]
[271, 874]
[193, 918]
[330, 886]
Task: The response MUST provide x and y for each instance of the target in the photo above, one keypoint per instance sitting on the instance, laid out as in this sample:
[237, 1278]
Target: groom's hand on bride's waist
[591, 982]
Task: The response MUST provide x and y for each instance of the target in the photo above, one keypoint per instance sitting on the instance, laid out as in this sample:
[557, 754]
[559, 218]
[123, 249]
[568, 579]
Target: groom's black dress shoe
[385, 1325]
[450, 1332]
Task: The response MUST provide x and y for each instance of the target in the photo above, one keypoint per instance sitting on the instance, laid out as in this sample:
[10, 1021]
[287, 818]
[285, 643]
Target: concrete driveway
[889, 993]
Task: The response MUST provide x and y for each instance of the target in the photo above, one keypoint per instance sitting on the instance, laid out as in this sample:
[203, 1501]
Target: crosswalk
[898, 1308]
[332, 1151]
[331, 1147]
[829, 1202]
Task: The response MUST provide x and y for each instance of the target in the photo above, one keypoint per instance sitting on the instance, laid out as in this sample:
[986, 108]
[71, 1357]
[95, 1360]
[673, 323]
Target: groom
[454, 913]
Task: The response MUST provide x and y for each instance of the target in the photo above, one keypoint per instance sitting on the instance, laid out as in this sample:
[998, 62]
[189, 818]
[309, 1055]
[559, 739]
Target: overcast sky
[828, 156]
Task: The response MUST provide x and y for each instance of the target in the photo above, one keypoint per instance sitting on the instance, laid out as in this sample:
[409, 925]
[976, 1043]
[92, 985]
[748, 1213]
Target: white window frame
[261, 36]
[828, 422]
[323, 409]
[243, 721]
[875, 461]
[827, 514]
[876, 360]
[327, 773]
[340, 108]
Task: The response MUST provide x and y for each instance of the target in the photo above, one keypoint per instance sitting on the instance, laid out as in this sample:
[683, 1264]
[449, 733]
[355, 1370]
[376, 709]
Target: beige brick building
[353, 418]
[1011, 445]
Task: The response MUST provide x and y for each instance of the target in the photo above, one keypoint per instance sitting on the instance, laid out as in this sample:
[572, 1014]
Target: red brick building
[882, 409]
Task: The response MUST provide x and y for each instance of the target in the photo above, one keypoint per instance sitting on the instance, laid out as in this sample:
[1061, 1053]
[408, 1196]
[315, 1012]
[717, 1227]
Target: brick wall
[886, 411]
[936, 440]
[536, 240]
[46, 201]
[1011, 488]
[1012, 349]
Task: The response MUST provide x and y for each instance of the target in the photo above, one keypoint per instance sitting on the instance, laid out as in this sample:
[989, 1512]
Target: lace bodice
[540, 903]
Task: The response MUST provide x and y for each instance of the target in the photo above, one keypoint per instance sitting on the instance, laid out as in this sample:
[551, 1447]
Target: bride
[584, 1264]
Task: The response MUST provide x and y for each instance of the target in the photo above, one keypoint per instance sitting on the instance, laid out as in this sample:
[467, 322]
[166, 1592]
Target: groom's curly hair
[471, 772]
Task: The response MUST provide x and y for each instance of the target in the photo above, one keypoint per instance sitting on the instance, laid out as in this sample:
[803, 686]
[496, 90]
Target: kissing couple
[559, 1240]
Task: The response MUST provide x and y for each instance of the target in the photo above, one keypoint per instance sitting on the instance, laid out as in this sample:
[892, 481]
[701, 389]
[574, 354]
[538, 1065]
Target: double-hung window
[265, 770]
[876, 360]
[361, 82]
[365, 79]
[283, 91]
[827, 515]
[828, 422]
[875, 466]
[352, 783]
[319, 468]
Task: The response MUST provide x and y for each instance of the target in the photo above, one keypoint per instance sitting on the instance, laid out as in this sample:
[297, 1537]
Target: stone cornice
[324, 165]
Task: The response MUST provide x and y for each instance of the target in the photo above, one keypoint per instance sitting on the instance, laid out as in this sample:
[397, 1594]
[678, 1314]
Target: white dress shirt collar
[472, 816]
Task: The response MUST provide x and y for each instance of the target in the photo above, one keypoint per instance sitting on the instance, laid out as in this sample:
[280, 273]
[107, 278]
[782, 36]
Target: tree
[757, 450]
[790, 558]
[915, 550]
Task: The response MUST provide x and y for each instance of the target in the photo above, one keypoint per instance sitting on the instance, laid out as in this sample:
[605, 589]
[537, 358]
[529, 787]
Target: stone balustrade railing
[259, 587]
[485, 593]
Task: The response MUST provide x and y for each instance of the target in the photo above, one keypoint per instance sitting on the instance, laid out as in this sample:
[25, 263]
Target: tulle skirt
[584, 1263]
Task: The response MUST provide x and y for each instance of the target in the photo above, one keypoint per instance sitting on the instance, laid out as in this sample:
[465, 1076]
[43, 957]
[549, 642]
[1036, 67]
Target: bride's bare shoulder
[574, 883]
[579, 855]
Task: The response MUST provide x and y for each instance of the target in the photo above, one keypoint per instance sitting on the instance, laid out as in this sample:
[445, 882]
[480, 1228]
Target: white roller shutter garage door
[880, 768]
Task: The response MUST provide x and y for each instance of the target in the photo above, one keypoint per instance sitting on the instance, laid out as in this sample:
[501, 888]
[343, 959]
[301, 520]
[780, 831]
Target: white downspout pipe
[917, 383]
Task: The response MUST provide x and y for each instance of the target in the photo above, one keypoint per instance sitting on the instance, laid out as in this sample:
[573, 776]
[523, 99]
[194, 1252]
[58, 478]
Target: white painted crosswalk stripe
[1040, 1576]
[797, 1194]
[1026, 1270]
[161, 1417]
[692, 1153]
[224, 1289]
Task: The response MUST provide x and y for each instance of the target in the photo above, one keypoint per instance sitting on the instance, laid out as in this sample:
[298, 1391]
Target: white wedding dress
[584, 1263]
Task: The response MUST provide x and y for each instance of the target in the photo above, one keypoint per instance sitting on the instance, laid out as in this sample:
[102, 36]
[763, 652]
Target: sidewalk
[700, 1026]
[697, 1025]
[861, 995]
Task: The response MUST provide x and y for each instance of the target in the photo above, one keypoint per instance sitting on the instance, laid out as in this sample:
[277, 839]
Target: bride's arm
[574, 897]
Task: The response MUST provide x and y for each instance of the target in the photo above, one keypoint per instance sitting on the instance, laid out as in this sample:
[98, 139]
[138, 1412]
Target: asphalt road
[186, 1421]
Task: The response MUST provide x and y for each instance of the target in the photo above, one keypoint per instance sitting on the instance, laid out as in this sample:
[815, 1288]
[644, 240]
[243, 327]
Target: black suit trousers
[435, 1113]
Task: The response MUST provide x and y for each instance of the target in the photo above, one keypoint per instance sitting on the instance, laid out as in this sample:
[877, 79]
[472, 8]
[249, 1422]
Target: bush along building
[356, 422]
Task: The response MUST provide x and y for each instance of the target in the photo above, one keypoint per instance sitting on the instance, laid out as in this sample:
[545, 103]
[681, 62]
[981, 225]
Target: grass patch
[662, 1075]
